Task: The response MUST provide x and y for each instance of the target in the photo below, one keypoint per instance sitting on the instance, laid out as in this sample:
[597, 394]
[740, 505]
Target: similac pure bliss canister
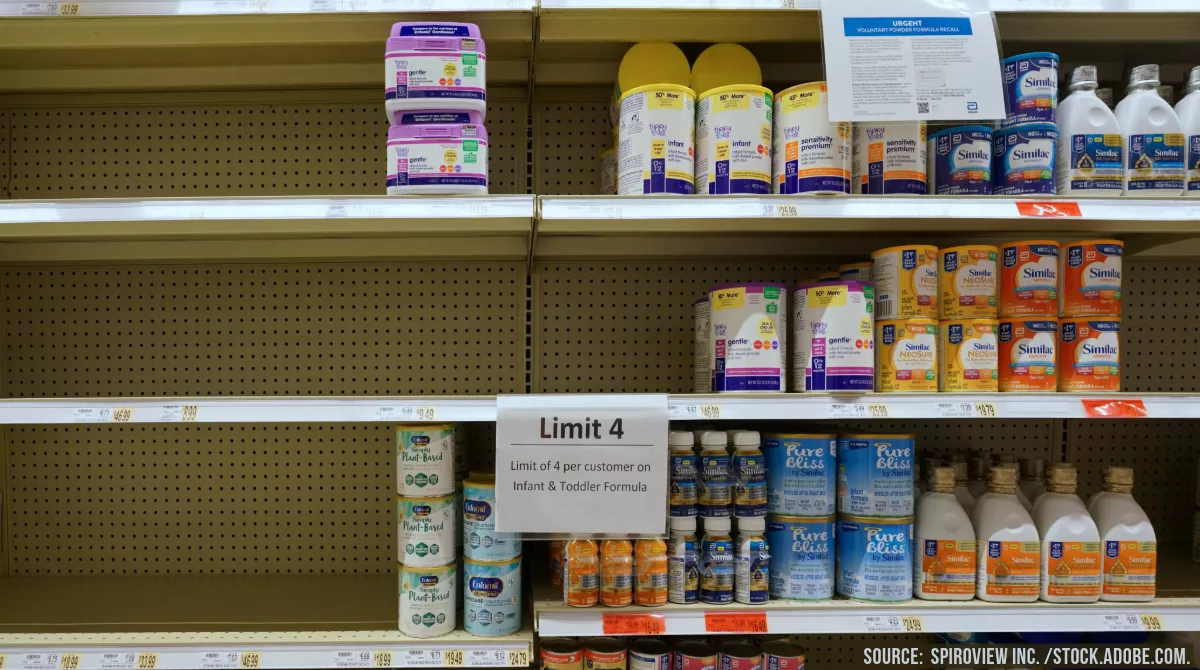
[1028, 354]
[906, 282]
[888, 159]
[655, 143]
[874, 559]
[733, 140]
[802, 557]
[1089, 354]
[833, 335]
[968, 356]
[875, 475]
[906, 358]
[1029, 278]
[968, 281]
[749, 337]
[1090, 275]
[801, 474]
[812, 153]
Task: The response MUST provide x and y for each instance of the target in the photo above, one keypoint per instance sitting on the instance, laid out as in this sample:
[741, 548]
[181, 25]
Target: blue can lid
[961, 129]
[1034, 54]
[1032, 125]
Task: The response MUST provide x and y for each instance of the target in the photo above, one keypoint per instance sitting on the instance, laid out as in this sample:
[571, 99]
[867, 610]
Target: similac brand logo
[1099, 349]
[910, 346]
[879, 542]
[1023, 154]
[969, 153]
[983, 346]
[809, 541]
[1038, 81]
[1034, 273]
[1035, 349]
[1104, 273]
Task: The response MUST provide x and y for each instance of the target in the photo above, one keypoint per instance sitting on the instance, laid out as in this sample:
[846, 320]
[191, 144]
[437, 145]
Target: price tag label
[955, 410]
[122, 415]
[352, 659]
[417, 658]
[787, 210]
[406, 413]
[859, 410]
[1122, 622]
[517, 658]
[485, 658]
[710, 411]
[1115, 409]
[634, 624]
[219, 660]
[606, 211]
[1058, 208]
[1152, 622]
[148, 660]
[91, 415]
[70, 661]
[987, 410]
[893, 624]
[250, 659]
[382, 659]
[735, 622]
[177, 413]
[50, 9]
[127, 660]
[453, 658]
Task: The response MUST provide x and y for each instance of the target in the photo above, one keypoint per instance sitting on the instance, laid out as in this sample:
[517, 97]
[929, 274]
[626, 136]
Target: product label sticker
[1155, 162]
[948, 566]
[1011, 568]
[1095, 162]
[1130, 567]
[1073, 569]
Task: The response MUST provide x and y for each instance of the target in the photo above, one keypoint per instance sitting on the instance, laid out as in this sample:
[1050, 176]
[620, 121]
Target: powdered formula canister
[733, 140]
[1090, 277]
[801, 473]
[1029, 278]
[906, 355]
[435, 65]
[437, 158]
[802, 557]
[427, 600]
[812, 153]
[1089, 354]
[1029, 353]
[749, 337]
[834, 338]
[906, 282]
[655, 151]
[888, 159]
[874, 559]
[960, 161]
[875, 475]
[424, 459]
[492, 597]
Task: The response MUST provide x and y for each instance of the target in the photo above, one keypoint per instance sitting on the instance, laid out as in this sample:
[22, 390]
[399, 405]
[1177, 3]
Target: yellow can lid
[653, 63]
[725, 64]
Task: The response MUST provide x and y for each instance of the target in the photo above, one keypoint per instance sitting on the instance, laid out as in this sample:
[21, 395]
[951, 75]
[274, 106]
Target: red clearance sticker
[1115, 409]
[634, 624]
[735, 622]
[1057, 208]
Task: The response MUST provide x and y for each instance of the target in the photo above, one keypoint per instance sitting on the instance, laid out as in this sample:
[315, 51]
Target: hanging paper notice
[911, 60]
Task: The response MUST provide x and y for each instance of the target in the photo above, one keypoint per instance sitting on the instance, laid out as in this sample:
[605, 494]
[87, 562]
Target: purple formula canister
[435, 66]
[439, 117]
[437, 158]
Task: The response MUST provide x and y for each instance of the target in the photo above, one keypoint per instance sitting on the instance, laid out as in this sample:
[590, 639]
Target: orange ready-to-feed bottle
[650, 569]
[616, 573]
[581, 573]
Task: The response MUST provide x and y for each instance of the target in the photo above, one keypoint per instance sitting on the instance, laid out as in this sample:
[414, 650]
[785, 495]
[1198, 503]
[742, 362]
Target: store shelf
[497, 227]
[288, 622]
[84, 8]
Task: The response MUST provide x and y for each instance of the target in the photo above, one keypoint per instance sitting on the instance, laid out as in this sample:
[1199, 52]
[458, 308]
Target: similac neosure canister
[968, 356]
[906, 355]
[906, 282]
[969, 279]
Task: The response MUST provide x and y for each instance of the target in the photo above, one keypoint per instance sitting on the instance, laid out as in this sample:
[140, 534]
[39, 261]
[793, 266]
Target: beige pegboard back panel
[1163, 455]
[216, 146]
[1160, 326]
[571, 128]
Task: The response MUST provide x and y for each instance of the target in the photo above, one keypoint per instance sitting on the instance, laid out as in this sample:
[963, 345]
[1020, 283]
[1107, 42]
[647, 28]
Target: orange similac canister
[650, 572]
[1029, 278]
[1089, 354]
[1090, 278]
[1028, 354]
[616, 573]
[581, 573]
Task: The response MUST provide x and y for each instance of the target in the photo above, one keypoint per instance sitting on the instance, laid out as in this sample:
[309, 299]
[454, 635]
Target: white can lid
[746, 439]
[713, 438]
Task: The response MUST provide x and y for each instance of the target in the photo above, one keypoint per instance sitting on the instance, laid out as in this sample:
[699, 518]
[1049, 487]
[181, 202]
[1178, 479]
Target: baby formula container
[802, 557]
[650, 572]
[427, 528]
[725, 64]
[649, 654]
[1030, 88]
[648, 63]
[581, 573]
[683, 561]
[752, 569]
[1090, 146]
[875, 475]
[439, 117]
[1029, 278]
[716, 562]
[716, 476]
[1070, 542]
[655, 144]
[702, 372]
[1007, 542]
[906, 282]
[1029, 354]
[683, 471]
[603, 653]
[812, 153]
[1188, 111]
[608, 171]
[434, 66]
[616, 573]
[968, 280]
[874, 558]
[1130, 560]
[427, 600]
[560, 653]
[944, 564]
[749, 476]
[694, 654]
[1154, 142]
[733, 141]
[968, 356]
[960, 161]
[860, 272]
[801, 473]
[888, 159]
[424, 460]
[1089, 354]
[906, 361]
[740, 655]
[492, 599]
[556, 562]
[1090, 276]
[481, 542]
[749, 337]
[782, 655]
[1023, 159]
[430, 159]
[834, 337]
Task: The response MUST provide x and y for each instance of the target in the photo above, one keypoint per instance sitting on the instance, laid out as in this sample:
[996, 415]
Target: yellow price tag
[122, 414]
[2, 658]
[381, 659]
[426, 413]
[986, 410]
[250, 659]
[877, 410]
[912, 624]
[189, 412]
[787, 210]
[69, 9]
[518, 658]
[1152, 622]
[70, 661]
[147, 660]
[453, 658]
[710, 411]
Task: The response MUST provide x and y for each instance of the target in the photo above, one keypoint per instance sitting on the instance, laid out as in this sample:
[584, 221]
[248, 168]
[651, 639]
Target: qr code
[922, 107]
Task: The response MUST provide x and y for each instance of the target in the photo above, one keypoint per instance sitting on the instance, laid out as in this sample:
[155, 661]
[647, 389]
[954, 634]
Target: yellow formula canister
[906, 355]
[968, 277]
[968, 355]
[906, 282]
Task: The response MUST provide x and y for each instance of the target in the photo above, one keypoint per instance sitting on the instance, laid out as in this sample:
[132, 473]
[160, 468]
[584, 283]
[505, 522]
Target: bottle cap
[684, 523]
[1193, 82]
[1084, 74]
[1006, 458]
[731, 436]
[941, 479]
[1143, 75]
[751, 524]
[1033, 468]
[1002, 479]
[717, 524]
[960, 472]
[1105, 95]
[1062, 479]
[681, 438]
[746, 439]
[1118, 479]
[714, 438]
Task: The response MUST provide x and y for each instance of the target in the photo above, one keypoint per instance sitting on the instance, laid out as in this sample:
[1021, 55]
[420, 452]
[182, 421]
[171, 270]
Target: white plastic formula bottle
[1188, 111]
[1090, 146]
[1007, 543]
[944, 559]
[1070, 544]
[1127, 541]
[1153, 138]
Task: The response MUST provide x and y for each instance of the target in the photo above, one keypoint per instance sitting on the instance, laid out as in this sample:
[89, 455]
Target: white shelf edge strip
[246, 410]
[235, 7]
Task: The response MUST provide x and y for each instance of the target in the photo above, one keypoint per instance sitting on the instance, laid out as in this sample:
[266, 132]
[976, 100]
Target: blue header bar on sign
[902, 26]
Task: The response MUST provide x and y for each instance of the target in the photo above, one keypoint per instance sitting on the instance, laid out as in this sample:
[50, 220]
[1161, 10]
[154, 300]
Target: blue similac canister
[1023, 159]
[801, 557]
[875, 475]
[874, 559]
[492, 597]
[1030, 88]
[801, 474]
[960, 161]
